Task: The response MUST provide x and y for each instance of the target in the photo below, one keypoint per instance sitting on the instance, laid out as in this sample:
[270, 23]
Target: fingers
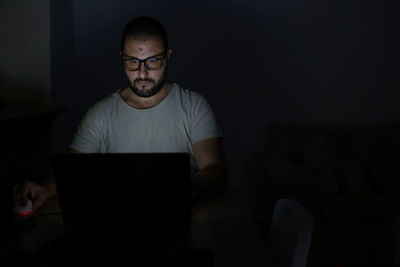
[19, 194]
[24, 191]
[28, 190]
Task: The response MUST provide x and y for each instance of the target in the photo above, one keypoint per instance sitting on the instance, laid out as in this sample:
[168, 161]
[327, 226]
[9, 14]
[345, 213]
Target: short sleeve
[203, 121]
[90, 132]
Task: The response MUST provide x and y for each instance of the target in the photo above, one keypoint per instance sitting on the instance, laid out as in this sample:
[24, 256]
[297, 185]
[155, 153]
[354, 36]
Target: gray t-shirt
[112, 126]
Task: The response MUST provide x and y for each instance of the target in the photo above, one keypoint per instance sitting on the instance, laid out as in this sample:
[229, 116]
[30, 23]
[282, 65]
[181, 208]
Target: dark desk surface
[219, 224]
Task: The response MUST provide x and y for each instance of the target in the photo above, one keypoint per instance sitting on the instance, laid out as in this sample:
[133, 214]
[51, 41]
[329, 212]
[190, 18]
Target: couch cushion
[380, 207]
[345, 208]
[393, 135]
[353, 177]
[317, 160]
[349, 161]
[379, 160]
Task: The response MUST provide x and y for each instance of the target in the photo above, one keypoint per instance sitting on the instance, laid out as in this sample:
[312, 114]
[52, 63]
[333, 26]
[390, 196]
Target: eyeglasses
[151, 63]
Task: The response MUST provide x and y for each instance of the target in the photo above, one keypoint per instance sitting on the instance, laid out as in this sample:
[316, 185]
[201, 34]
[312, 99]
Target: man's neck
[145, 102]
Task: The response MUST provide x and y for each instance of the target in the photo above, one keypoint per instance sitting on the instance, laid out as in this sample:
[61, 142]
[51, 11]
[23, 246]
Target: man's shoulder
[188, 96]
[110, 99]
[106, 103]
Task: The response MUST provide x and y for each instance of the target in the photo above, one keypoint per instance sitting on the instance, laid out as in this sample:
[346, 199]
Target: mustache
[144, 80]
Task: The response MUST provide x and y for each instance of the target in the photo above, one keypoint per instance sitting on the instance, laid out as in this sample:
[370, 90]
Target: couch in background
[348, 177]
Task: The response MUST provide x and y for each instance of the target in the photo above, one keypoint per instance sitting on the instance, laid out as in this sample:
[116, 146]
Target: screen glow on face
[151, 63]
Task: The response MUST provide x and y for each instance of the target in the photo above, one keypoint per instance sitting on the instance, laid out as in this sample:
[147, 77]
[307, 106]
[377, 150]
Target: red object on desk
[23, 210]
[25, 213]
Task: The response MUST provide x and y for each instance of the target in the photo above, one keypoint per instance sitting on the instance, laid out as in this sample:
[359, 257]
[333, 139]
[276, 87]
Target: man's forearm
[210, 180]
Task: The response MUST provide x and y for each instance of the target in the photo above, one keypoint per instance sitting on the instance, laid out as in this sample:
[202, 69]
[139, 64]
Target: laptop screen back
[123, 190]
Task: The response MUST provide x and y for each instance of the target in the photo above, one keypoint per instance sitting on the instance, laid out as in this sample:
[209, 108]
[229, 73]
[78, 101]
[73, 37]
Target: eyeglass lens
[151, 63]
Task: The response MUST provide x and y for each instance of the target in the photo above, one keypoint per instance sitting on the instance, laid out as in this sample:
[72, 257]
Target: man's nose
[142, 71]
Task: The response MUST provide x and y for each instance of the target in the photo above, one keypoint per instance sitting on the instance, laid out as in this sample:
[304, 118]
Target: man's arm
[213, 172]
[73, 151]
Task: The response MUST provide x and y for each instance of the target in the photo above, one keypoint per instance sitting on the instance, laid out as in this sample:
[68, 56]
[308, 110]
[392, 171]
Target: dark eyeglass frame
[125, 57]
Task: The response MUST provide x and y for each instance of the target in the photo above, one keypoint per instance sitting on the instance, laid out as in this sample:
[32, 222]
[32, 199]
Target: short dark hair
[145, 28]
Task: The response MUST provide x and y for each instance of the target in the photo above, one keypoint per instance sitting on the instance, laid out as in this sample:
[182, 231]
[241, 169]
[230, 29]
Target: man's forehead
[142, 48]
[139, 42]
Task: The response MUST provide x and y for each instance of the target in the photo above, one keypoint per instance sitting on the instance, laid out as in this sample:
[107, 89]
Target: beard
[141, 91]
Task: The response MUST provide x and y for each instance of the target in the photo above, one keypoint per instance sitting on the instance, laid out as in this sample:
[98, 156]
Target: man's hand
[29, 190]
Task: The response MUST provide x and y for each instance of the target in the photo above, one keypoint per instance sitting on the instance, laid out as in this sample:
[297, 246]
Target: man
[150, 115]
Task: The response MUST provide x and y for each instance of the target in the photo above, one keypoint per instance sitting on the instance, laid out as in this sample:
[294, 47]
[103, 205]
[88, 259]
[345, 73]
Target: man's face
[145, 82]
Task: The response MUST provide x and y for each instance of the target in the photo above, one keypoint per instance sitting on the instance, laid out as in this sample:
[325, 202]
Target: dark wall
[318, 62]
[24, 56]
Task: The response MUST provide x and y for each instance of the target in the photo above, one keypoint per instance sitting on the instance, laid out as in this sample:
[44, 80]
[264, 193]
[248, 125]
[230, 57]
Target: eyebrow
[129, 57]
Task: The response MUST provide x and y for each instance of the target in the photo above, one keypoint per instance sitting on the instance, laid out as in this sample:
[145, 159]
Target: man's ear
[169, 52]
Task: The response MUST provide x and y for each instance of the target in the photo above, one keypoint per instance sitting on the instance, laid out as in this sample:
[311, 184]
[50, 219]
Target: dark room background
[257, 62]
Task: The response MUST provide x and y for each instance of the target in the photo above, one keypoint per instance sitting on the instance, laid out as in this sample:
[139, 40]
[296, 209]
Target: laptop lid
[105, 191]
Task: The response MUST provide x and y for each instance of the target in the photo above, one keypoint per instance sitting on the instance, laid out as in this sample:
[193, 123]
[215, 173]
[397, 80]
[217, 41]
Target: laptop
[129, 196]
